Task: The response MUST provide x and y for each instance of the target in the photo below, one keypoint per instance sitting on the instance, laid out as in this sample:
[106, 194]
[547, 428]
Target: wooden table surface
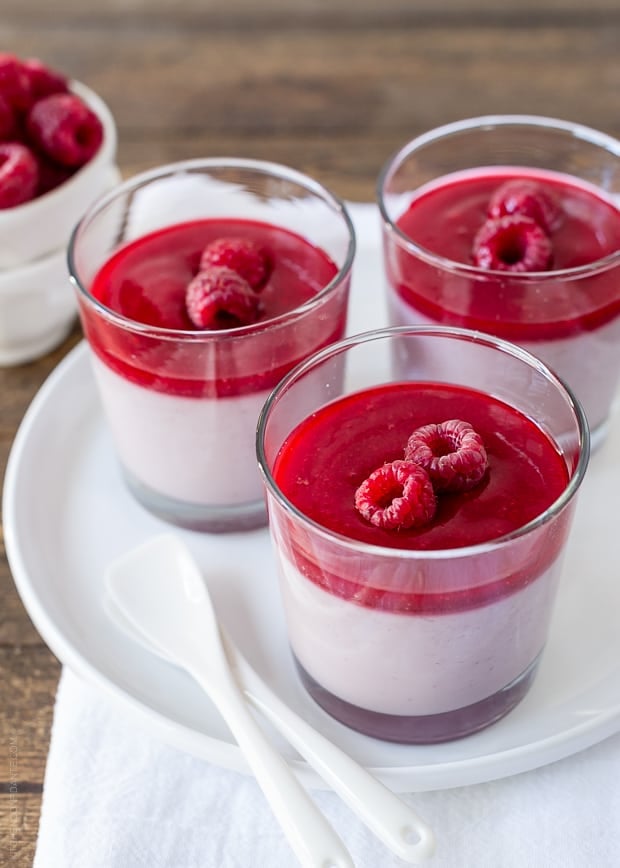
[330, 87]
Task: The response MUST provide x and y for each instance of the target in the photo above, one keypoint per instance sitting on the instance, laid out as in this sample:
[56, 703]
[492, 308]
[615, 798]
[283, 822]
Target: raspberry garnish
[249, 259]
[219, 298]
[397, 496]
[65, 129]
[43, 80]
[19, 174]
[529, 199]
[512, 243]
[452, 453]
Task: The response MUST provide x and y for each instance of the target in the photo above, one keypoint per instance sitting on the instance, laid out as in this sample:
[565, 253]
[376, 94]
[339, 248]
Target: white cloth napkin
[114, 797]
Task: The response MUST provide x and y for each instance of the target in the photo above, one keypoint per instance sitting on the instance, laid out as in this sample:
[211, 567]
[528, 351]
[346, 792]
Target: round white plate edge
[406, 778]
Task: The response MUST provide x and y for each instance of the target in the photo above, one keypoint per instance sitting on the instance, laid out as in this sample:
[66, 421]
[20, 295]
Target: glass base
[199, 517]
[422, 729]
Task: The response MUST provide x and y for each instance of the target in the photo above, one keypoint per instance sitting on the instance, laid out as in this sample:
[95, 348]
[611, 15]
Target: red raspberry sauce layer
[326, 458]
[146, 280]
[445, 219]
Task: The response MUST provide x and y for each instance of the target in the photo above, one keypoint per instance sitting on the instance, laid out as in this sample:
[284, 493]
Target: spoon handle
[388, 816]
[311, 837]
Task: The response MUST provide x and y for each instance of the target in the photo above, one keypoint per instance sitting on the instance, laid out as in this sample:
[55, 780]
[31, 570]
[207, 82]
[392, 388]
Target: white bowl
[37, 308]
[37, 301]
[44, 224]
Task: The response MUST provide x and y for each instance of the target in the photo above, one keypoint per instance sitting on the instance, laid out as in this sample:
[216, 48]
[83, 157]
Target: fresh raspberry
[8, 121]
[248, 258]
[65, 129]
[397, 496]
[529, 199]
[452, 453]
[219, 298]
[51, 175]
[14, 83]
[19, 174]
[43, 80]
[512, 243]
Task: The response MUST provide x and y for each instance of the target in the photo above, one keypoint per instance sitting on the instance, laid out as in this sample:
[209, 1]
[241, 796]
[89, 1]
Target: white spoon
[153, 587]
[161, 593]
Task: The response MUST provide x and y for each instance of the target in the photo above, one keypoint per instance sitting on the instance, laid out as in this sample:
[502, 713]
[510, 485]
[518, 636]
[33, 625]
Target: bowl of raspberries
[57, 154]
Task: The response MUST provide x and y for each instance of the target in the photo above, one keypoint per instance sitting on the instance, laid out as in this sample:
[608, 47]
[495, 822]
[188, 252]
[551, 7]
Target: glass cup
[182, 403]
[568, 316]
[413, 645]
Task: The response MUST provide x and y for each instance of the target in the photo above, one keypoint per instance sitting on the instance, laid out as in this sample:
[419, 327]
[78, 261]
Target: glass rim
[263, 167]
[463, 334]
[578, 131]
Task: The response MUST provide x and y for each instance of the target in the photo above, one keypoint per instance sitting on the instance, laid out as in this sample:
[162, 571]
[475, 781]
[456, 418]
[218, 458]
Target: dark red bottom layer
[426, 729]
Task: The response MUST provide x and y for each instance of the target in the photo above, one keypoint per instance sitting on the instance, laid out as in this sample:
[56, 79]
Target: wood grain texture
[28, 675]
[331, 87]
[336, 101]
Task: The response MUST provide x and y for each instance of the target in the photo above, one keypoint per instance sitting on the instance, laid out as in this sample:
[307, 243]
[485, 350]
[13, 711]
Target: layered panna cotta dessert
[522, 254]
[408, 618]
[208, 325]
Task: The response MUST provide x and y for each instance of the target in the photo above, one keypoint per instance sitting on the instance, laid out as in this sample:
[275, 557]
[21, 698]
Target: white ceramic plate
[67, 514]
